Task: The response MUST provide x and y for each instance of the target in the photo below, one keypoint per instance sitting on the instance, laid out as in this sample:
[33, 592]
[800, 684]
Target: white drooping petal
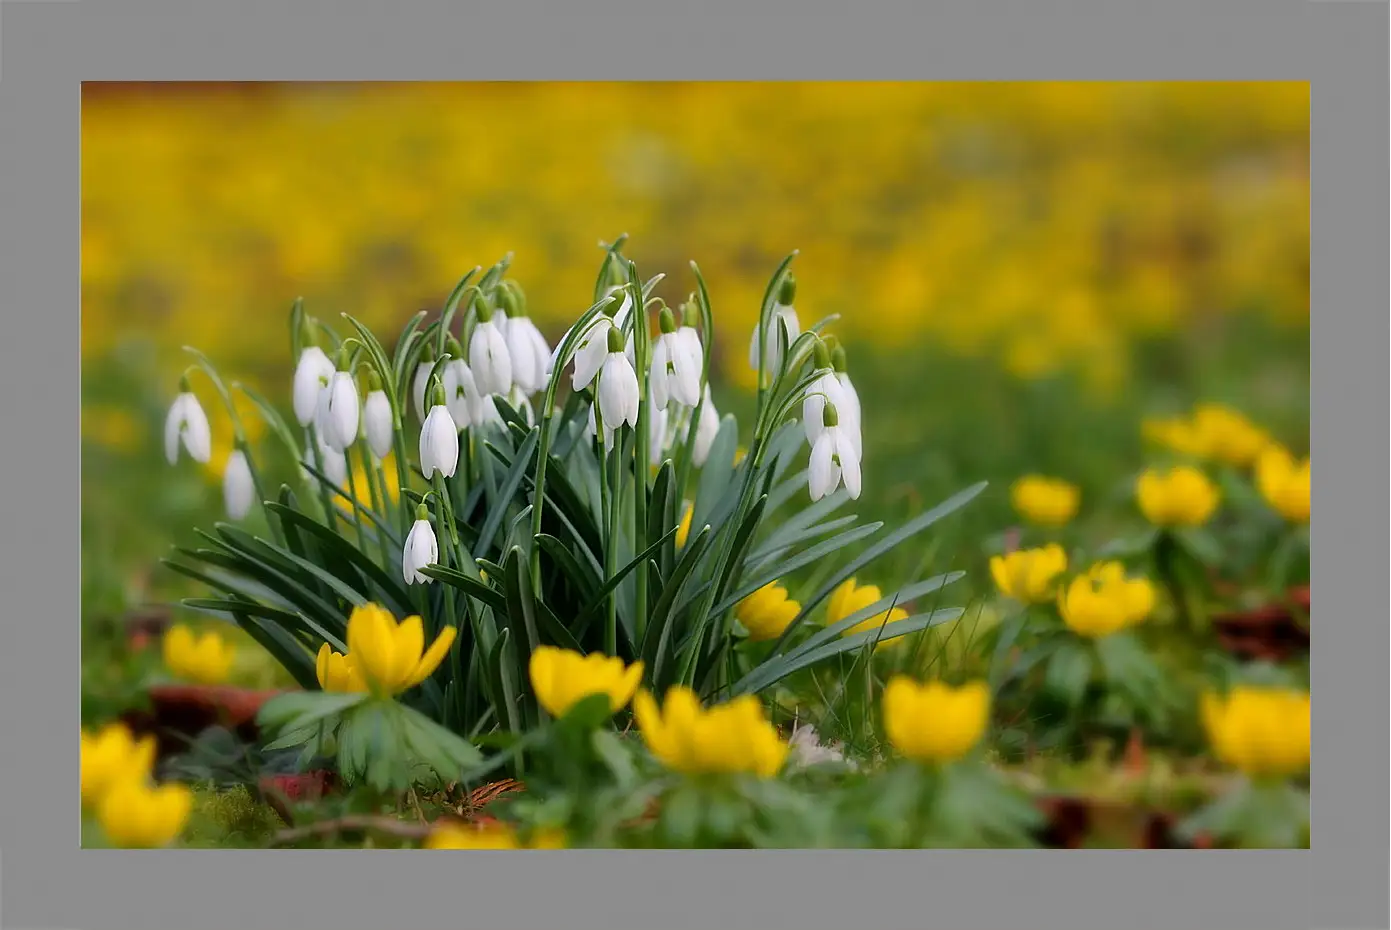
[618, 391]
[377, 423]
[419, 386]
[824, 389]
[707, 428]
[593, 349]
[460, 392]
[421, 549]
[238, 490]
[530, 354]
[489, 359]
[685, 369]
[591, 429]
[849, 460]
[485, 412]
[784, 318]
[335, 463]
[823, 474]
[342, 412]
[657, 438]
[312, 371]
[187, 423]
[658, 375]
[439, 443]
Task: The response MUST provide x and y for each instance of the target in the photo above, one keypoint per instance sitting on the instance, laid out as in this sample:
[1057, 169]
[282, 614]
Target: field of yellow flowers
[1092, 296]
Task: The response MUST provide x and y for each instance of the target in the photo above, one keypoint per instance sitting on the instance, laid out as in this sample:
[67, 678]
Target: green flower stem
[1167, 555]
[642, 455]
[444, 514]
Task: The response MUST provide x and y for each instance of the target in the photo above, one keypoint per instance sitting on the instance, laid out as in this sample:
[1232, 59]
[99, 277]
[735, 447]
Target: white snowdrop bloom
[238, 490]
[342, 411]
[850, 410]
[658, 434]
[488, 356]
[833, 459]
[312, 374]
[784, 317]
[334, 464]
[675, 372]
[187, 423]
[530, 354]
[824, 390]
[706, 430]
[591, 429]
[439, 443]
[421, 548]
[689, 337]
[377, 422]
[461, 393]
[618, 386]
[420, 385]
[593, 347]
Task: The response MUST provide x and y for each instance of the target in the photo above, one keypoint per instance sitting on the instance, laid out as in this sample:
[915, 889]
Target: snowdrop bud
[238, 490]
[312, 374]
[342, 412]
[377, 419]
[707, 428]
[787, 292]
[421, 548]
[528, 350]
[830, 416]
[849, 400]
[439, 443]
[487, 353]
[821, 356]
[618, 385]
[334, 463]
[187, 423]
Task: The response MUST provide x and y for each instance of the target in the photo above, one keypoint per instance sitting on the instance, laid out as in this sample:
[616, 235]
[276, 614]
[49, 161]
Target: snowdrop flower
[658, 436]
[420, 384]
[238, 490]
[342, 410]
[461, 393]
[487, 353]
[690, 337]
[824, 390]
[618, 385]
[439, 440]
[312, 375]
[850, 410]
[334, 463]
[675, 372]
[421, 548]
[593, 348]
[486, 414]
[833, 459]
[525, 344]
[377, 420]
[592, 429]
[784, 316]
[187, 423]
[706, 430]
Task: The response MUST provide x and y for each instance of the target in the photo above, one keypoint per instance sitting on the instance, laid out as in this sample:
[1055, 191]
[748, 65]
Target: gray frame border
[48, 47]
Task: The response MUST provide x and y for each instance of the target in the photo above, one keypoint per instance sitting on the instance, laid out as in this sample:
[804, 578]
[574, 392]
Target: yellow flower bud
[730, 738]
[134, 814]
[1284, 483]
[1263, 732]
[1104, 601]
[1181, 496]
[767, 612]
[205, 659]
[1045, 501]
[110, 756]
[562, 678]
[1028, 575]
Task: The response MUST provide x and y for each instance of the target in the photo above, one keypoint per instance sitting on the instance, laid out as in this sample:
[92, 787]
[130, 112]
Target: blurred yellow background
[1040, 225]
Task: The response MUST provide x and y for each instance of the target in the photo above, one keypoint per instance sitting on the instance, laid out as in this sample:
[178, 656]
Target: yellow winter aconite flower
[338, 672]
[136, 814]
[729, 738]
[1104, 601]
[1227, 436]
[1284, 483]
[683, 530]
[562, 678]
[1027, 575]
[1263, 732]
[935, 722]
[1181, 496]
[1045, 501]
[110, 756]
[205, 659]
[767, 612]
[391, 657]
[850, 597]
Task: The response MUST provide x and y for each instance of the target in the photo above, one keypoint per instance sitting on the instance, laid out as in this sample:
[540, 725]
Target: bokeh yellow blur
[1042, 225]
